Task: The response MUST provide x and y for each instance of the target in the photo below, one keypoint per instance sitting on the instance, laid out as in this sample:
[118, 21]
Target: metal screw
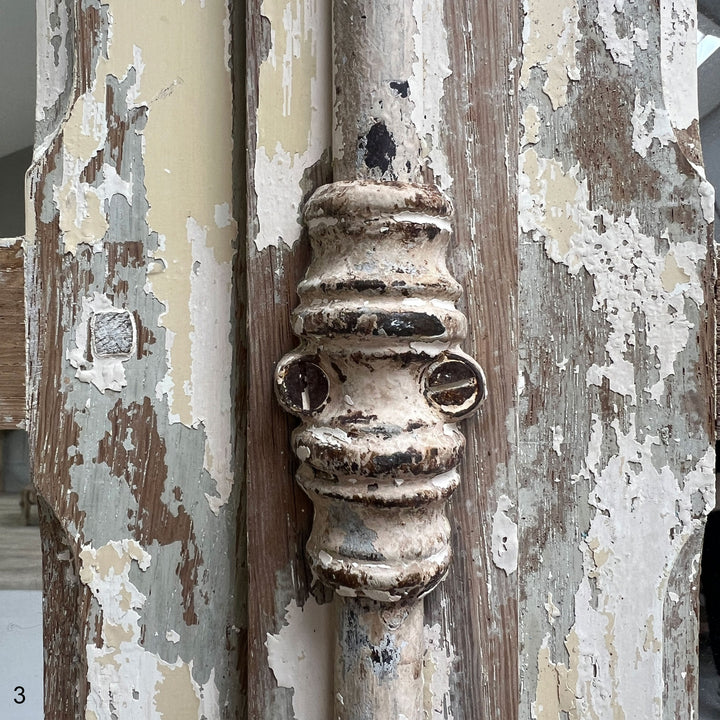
[303, 386]
[455, 385]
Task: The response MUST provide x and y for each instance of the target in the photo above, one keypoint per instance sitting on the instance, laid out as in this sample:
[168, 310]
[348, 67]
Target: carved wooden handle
[379, 382]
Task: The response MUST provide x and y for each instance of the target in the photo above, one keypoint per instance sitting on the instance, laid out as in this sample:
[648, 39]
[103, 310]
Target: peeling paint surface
[613, 651]
[629, 273]
[549, 37]
[504, 537]
[138, 63]
[125, 679]
[301, 657]
[621, 44]
[678, 56]
[616, 342]
[437, 670]
[426, 85]
[133, 344]
[293, 115]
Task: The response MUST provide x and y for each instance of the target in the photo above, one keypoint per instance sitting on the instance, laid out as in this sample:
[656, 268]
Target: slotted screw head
[302, 386]
[456, 385]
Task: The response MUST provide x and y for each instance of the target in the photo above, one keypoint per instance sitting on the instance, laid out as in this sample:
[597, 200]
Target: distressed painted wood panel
[12, 332]
[132, 315]
[288, 140]
[616, 360]
[471, 621]
[476, 608]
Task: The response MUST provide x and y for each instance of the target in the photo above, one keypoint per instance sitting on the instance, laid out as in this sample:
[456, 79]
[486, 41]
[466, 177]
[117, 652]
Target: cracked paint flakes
[649, 123]
[620, 41]
[632, 277]
[504, 537]
[549, 36]
[126, 681]
[437, 670]
[611, 651]
[678, 60]
[52, 59]
[301, 658]
[293, 114]
[185, 85]
[426, 85]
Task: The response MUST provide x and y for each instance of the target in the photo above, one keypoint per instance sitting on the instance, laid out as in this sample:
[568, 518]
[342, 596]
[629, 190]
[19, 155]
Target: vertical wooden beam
[616, 426]
[130, 308]
[288, 141]
[12, 332]
[476, 609]
[471, 620]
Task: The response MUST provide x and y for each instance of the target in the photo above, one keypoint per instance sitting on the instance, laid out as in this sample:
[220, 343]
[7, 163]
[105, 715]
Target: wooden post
[616, 457]
[470, 662]
[379, 379]
[131, 315]
[12, 332]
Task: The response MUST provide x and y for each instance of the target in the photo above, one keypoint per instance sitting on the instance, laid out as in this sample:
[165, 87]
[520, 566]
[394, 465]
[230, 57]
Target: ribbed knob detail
[379, 382]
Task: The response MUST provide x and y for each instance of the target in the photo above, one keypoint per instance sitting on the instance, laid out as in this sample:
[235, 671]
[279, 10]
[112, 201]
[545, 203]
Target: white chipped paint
[105, 373]
[649, 123]
[437, 670]
[557, 439]
[550, 33]
[210, 315]
[615, 645]
[626, 266]
[622, 49]
[678, 57]
[427, 85]
[552, 610]
[504, 541]
[530, 122]
[301, 658]
[52, 59]
[293, 116]
[706, 191]
[127, 682]
[83, 206]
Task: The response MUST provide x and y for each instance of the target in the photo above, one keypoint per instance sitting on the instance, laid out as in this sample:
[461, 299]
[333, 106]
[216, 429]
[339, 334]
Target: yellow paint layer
[531, 126]
[293, 114]
[121, 672]
[178, 56]
[673, 275]
[175, 697]
[286, 78]
[549, 37]
[559, 191]
[557, 683]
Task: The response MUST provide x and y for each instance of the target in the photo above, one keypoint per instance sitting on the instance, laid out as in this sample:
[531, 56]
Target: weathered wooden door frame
[539, 509]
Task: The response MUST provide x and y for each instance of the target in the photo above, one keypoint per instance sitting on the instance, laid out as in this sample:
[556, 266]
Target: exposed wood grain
[476, 605]
[278, 512]
[12, 332]
[615, 437]
[124, 475]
